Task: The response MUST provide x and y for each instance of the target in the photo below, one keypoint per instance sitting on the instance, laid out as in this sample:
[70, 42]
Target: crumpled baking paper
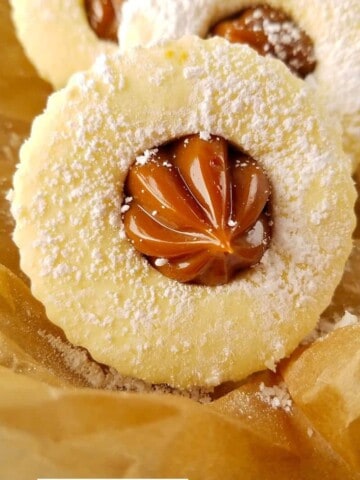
[45, 412]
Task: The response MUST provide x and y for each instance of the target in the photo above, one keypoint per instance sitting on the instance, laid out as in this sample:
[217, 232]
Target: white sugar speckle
[193, 72]
[148, 154]
[205, 135]
[346, 321]
[125, 208]
[160, 262]
[231, 223]
[276, 396]
[256, 234]
[9, 195]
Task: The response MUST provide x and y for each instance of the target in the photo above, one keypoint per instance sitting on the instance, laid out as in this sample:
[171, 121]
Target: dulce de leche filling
[102, 18]
[271, 32]
[198, 210]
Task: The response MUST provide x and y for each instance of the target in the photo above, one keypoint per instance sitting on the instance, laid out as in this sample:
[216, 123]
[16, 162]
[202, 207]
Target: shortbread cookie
[62, 37]
[70, 205]
[333, 27]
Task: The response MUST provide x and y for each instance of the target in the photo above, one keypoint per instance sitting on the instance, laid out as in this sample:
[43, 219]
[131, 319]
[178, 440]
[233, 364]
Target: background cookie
[105, 295]
[333, 26]
[57, 37]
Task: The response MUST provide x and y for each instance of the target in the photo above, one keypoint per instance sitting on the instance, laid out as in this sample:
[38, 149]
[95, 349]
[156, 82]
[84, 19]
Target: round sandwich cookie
[184, 212]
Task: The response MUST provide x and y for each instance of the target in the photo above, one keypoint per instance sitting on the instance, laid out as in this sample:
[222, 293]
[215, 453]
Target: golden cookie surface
[68, 193]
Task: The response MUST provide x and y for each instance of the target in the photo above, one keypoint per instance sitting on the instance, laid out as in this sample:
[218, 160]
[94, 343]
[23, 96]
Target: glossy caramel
[102, 18]
[271, 32]
[197, 210]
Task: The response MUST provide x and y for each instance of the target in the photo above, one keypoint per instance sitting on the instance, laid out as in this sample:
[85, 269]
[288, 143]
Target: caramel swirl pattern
[197, 209]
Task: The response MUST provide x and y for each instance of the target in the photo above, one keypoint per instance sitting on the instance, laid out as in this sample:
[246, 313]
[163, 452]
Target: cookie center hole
[270, 31]
[198, 209]
[102, 16]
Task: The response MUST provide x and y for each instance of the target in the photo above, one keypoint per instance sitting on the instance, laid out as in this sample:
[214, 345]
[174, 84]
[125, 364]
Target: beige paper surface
[75, 433]
[324, 381]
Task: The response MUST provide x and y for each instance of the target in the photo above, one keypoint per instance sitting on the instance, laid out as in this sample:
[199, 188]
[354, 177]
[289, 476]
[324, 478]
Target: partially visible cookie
[332, 26]
[69, 204]
[59, 36]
